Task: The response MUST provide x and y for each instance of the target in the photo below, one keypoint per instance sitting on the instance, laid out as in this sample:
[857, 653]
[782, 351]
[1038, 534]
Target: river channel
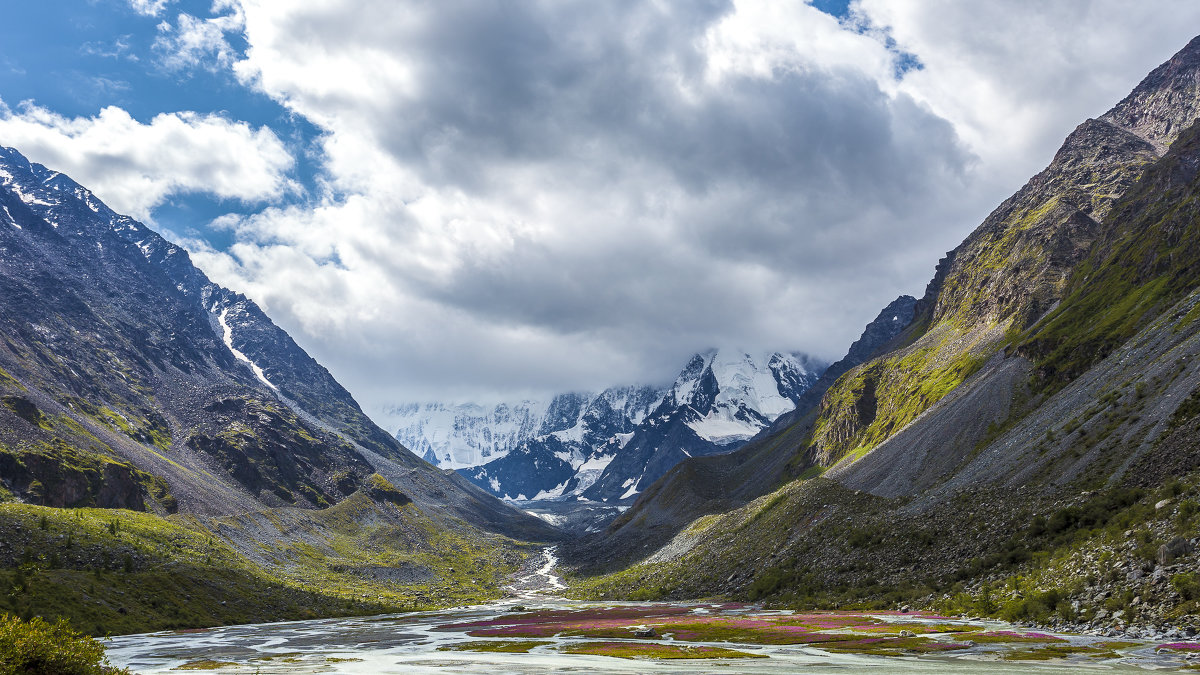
[432, 642]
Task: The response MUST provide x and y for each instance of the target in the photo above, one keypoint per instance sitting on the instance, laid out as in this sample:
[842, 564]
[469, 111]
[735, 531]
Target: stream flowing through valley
[434, 642]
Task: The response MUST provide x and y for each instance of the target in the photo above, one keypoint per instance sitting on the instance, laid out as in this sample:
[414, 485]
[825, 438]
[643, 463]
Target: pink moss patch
[1181, 646]
[685, 625]
[649, 650]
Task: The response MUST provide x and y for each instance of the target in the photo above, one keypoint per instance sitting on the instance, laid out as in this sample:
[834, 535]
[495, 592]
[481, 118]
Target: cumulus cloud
[1016, 77]
[135, 166]
[149, 7]
[585, 191]
[199, 43]
[524, 195]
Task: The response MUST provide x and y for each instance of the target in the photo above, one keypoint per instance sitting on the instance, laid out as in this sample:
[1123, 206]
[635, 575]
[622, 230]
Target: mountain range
[602, 446]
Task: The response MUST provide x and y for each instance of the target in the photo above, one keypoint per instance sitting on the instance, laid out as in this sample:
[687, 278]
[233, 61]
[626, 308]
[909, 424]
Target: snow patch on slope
[228, 336]
[551, 494]
[722, 428]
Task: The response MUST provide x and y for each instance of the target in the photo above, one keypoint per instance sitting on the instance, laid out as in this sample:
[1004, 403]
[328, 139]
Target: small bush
[1187, 585]
[39, 648]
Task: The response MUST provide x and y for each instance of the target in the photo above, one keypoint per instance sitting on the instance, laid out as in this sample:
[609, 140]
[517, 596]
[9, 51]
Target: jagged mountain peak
[565, 445]
[1165, 102]
[762, 385]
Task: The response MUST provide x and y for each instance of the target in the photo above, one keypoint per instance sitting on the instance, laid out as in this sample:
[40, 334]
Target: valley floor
[553, 635]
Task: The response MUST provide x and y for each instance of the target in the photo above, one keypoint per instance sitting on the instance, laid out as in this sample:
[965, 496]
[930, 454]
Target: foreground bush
[38, 648]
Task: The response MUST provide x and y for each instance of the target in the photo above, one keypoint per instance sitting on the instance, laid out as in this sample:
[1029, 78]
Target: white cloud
[583, 191]
[199, 43]
[565, 194]
[1016, 77]
[149, 7]
[762, 38]
[136, 166]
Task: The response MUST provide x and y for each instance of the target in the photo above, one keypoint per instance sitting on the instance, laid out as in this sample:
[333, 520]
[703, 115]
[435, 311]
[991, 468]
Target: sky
[490, 199]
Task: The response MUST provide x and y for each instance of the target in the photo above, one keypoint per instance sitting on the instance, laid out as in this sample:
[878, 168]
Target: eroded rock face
[24, 408]
[1017, 262]
[56, 475]
[264, 447]
[1166, 101]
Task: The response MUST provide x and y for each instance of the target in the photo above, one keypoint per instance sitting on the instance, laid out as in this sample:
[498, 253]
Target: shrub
[1187, 584]
[39, 648]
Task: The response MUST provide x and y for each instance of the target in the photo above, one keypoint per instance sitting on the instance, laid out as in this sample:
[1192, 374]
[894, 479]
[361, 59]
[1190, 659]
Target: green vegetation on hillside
[115, 571]
[869, 404]
[58, 474]
[1147, 265]
[815, 545]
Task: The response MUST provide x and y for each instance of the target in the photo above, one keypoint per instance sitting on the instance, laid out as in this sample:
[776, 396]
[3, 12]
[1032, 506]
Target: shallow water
[409, 644]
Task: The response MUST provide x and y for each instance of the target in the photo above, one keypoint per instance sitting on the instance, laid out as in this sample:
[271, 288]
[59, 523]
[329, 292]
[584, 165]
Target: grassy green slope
[815, 544]
[119, 571]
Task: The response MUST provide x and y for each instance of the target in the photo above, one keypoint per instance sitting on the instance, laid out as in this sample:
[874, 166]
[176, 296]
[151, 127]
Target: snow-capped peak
[735, 393]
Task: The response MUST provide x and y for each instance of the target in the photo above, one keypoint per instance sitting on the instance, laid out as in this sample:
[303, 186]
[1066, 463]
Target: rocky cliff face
[1163, 104]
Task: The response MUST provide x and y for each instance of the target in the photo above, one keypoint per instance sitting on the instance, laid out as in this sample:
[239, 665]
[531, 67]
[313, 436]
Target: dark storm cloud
[788, 172]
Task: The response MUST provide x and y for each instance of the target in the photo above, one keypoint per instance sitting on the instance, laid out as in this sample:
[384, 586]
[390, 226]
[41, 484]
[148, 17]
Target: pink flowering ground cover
[876, 633]
[1181, 646]
[650, 650]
